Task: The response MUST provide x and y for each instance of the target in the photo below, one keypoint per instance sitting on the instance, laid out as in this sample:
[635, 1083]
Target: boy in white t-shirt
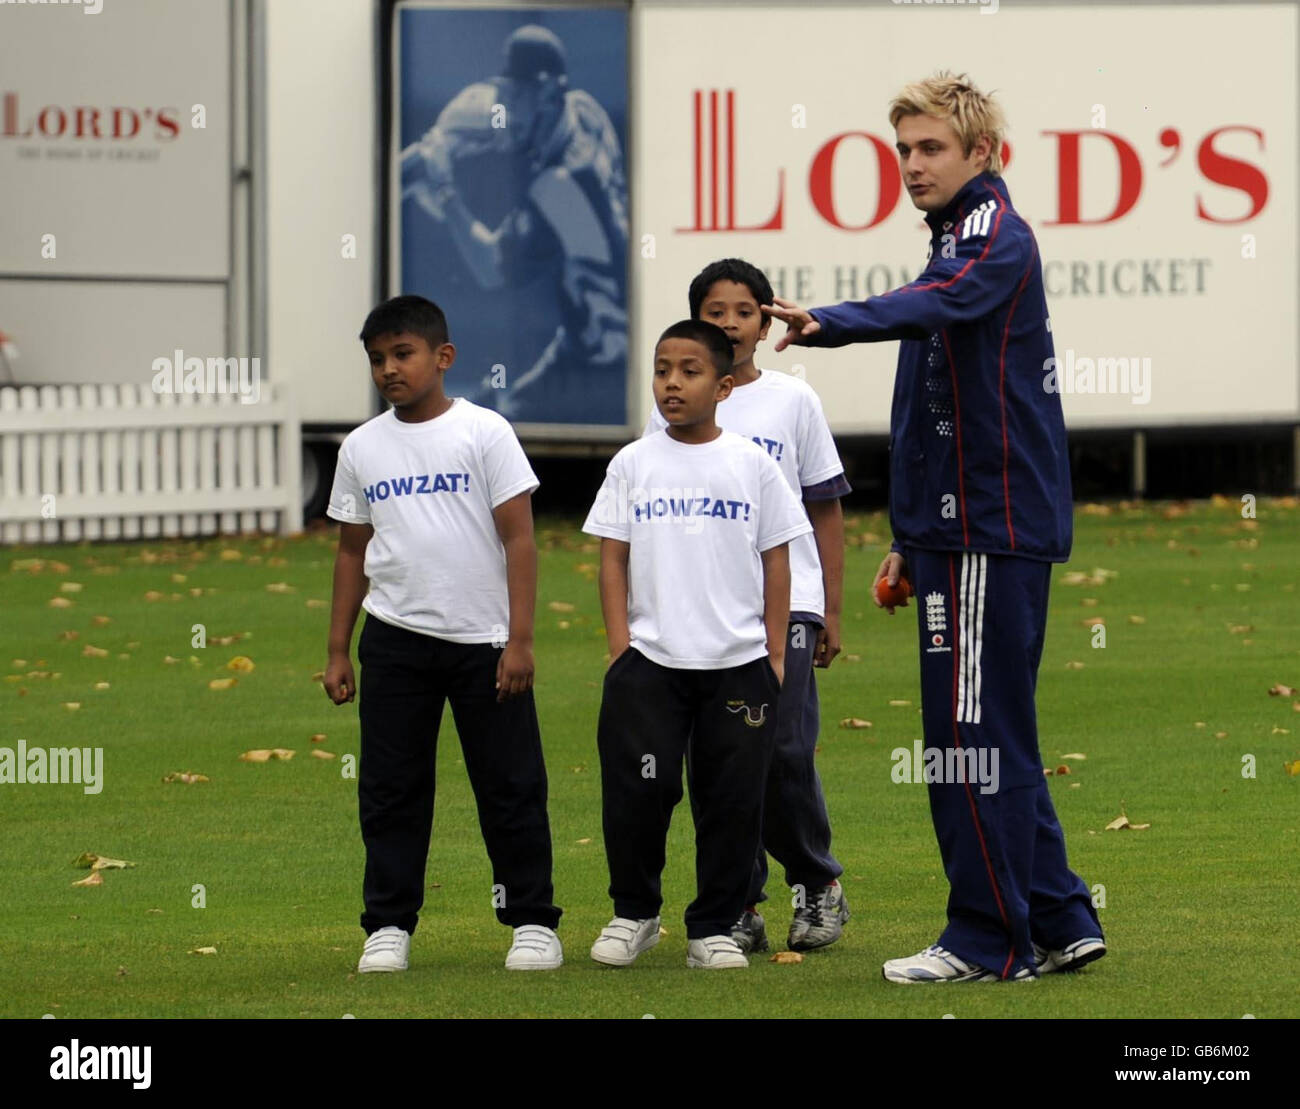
[784, 416]
[434, 501]
[695, 524]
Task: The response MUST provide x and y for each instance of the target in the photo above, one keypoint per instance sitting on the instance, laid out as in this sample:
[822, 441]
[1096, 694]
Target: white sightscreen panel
[1159, 282]
[72, 332]
[98, 146]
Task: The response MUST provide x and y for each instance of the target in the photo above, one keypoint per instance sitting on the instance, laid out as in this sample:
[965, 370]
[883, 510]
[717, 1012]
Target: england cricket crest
[936, 623]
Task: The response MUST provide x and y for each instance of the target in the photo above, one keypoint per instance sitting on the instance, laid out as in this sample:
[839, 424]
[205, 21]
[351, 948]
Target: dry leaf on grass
[1122, 822]
[94, 878]
[100, 621]
[1292, 768]
[223, 683]
[855, 722]
[1074, 664]
[99, 862]
[202, 951]
[560, 606]
[1281, 691]
[60, 602]
[319, 737]
[90, 651]
[899, 704]
[586, 839]
[280, 587]
[241, 664]
[1064, 769]
[185, 777]
[1075, 755]
[317, 753]
[786, 957]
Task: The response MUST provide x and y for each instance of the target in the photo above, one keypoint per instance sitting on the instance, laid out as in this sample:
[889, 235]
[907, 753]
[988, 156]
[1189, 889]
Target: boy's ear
[723, 389]
[446, 355]
[767, 323]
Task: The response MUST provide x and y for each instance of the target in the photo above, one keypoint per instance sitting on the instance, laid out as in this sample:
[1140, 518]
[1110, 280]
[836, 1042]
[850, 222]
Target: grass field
[1202, 617]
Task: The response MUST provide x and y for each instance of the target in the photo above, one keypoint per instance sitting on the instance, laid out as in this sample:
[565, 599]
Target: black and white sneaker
[1070, 957]
[820, 920]
[750, 932]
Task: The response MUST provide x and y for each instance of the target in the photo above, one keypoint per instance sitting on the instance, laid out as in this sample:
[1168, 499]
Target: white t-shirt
[697, 517]
[784, 415]
[436, 564]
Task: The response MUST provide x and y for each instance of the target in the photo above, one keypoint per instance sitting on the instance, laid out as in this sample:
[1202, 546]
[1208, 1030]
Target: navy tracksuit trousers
[982, 620]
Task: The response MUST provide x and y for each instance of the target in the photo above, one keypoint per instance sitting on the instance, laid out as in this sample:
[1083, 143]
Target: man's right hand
[800, 326]
[340, 684]
[892, 568]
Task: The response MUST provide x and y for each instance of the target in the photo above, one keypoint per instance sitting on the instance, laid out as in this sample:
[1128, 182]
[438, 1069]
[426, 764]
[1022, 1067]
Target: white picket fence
[122, 462]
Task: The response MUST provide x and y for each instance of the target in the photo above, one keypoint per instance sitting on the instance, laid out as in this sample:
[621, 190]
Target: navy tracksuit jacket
[980, 505]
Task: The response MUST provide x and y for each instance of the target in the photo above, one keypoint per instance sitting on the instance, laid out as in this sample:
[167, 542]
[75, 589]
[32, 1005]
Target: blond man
[980, 507]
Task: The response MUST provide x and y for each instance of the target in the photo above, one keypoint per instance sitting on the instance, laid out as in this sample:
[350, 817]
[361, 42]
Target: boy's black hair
[412, 314]
[708, 335]
[729, 269]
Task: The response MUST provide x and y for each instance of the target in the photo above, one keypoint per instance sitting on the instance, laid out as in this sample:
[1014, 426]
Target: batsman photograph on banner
[513, 204]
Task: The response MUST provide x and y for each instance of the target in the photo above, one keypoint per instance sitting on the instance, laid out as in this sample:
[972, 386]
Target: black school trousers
[406, 678]
[723, 723]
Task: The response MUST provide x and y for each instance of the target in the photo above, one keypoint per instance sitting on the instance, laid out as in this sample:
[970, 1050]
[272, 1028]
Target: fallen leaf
[91, 651]
[260, 755]
[154, 911]
[1089, 602]
[1199, 724]
[71, 587]
[60, 602]
[1220, 735]
[241, 664]
[170, 661]
[1074, 665]
[563, 625]
[178, 579]
[560, 606]
[94, 878]
[1292, 768]
[855, 722]
[231, 555]
[280, 587]
[72, 706]
[223, 683]
[1064, 769]
[203, 951]
[224, 640]
[185, 777]
[1240, 629]
[1137, 619]
[319, 737]
[1075, 755]
[587, 839]
[1093, 620]
[100, 621]
[1047, 772]
[1075, 785]
[319, 676]
[317, 753]
[1121, 822]
[69, 636]
[1281, 731]
[1281, 691]
[852, 658]
[316, 602]
[786, 957]
[284, 753]
[153, 595]
[101, 686]
[900, 704]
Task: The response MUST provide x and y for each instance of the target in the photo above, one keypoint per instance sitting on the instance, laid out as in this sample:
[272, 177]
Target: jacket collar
[969, 196]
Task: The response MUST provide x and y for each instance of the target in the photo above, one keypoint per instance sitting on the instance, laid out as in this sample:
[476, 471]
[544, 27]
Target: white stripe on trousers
[970, 636]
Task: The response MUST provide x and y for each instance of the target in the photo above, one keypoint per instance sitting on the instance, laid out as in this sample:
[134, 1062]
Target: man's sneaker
[1070, 957]
[536, 947]
[750, 932]
[715, 953]
[623, 940]
[386, 950]
[936, 964]
[820, 920]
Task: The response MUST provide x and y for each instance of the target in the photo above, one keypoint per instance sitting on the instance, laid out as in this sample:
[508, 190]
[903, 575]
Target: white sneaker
[536, 947]
[1071, 957]
[622, 940]
[386, 950]
[715, 953]
[937, 964]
